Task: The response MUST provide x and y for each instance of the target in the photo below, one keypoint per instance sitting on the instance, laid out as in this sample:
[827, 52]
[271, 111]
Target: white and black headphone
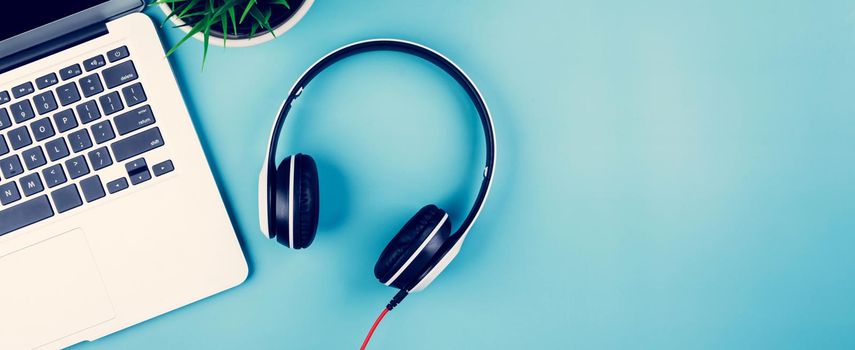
[423, 248]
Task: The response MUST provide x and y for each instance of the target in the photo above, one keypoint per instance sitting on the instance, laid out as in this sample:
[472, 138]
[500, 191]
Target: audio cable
[391, 305]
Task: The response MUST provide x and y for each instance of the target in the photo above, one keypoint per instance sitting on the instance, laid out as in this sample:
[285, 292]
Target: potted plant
[235, 23]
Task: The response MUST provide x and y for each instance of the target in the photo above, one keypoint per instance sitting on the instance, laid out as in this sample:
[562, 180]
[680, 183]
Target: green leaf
[261, 19]
[249, 6]
[207, 36]
[283, 3]
[196, 14]
[195, 29]
[221, 11]
[225, 24]
[187, 8]
[232, 15]
[267, 14]
[170, 15]
[253, 29]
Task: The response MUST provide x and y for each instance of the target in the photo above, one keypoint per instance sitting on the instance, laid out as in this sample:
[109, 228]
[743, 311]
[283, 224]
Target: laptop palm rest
[50, 290]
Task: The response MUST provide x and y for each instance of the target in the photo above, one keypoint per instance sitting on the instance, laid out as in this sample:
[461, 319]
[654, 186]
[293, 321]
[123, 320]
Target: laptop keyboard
[59, 132]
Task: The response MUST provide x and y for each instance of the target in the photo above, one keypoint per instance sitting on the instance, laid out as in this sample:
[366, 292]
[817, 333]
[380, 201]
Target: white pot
[278, 30]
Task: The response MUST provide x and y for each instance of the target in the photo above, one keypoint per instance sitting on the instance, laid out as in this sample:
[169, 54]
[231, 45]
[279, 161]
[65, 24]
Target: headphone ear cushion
[408, 240]
[303, 217]
[308, 201]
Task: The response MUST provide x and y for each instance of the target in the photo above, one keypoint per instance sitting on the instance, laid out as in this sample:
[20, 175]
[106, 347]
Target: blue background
[672, 174]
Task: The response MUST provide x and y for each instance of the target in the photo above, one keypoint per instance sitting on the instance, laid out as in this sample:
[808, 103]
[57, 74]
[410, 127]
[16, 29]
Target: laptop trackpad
[50, 290]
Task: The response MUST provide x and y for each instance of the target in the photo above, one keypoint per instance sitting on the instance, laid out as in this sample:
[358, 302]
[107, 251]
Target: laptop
[109, 213]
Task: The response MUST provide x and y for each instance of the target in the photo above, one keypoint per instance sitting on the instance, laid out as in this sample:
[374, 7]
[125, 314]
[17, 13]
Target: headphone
[289, 202]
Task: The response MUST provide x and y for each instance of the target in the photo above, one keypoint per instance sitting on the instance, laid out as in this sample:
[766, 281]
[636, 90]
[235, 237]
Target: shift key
[137, 144]
[134, 120]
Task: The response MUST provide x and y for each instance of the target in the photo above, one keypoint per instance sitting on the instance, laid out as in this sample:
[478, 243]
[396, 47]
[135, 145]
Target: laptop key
[68, 94]
[94, 63]
[134, 120]
[117, 185]
[45, 102]
[76, 167]
[70, 72]
[120, 74]
[137, 144]
[56, 149]
[140, 177]
[100, 158]
[4, 97]
[92, 189]
[46, 81]
[117, 54]
[5, 122]
[9, 193]
[34, 157]
[65, 120]
[54, 175]
[31, 184]
[3, 148]
[19, 138]
[79, 140]
[25, 214]
[23, 90]
[103, 132]
[134, 94]
[66, 198]
[163, 168]
[88, 111]
[11, 166]
[22, 111]
[42, 129]
[111, 103]
[135, 166]
[91, 85]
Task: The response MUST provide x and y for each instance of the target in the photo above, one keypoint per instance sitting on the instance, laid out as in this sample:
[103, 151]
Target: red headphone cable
[394, 302]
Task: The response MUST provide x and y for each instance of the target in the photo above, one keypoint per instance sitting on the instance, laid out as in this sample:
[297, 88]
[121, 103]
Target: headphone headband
[402, 46]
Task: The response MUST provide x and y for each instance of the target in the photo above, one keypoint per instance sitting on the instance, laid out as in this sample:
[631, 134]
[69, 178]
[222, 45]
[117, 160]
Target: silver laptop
[109, 214]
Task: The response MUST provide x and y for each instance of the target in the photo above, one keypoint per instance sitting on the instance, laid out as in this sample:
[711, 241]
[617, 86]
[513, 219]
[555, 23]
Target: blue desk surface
[671, 174]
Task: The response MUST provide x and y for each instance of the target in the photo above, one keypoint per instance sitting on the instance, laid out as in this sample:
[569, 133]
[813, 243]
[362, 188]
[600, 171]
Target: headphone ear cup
[297, 203]
[409, 253]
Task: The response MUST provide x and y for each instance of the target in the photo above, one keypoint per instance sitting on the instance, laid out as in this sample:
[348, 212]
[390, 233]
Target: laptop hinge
[52, 46]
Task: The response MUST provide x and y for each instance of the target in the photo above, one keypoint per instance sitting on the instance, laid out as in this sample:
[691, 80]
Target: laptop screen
[29, 15]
